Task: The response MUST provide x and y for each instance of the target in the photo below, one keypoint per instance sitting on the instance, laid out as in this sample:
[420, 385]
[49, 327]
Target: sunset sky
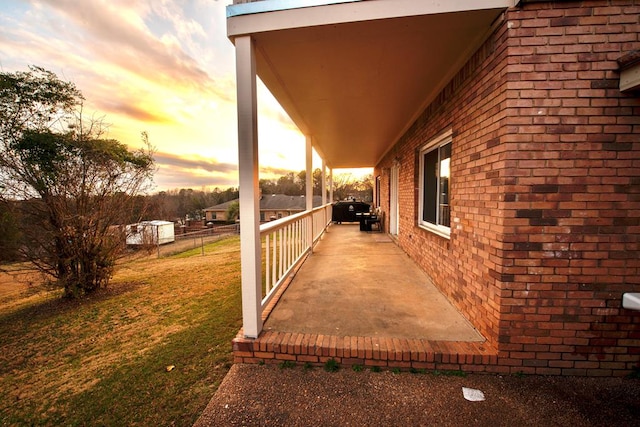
[161, 66]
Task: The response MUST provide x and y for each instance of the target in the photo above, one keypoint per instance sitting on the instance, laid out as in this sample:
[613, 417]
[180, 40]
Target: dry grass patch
[103, 360]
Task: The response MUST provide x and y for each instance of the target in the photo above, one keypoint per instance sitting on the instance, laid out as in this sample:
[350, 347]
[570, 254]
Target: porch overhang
[355, 75]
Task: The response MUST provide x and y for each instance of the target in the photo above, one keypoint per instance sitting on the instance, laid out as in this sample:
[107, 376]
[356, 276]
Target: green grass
[102, 361]
[635, 373]
[287, 364]
[222, 244]
[331, 365]
[449, 373]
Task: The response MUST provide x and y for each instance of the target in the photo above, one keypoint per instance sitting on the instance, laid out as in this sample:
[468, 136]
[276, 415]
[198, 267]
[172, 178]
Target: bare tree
[74, 186]
[346, 185]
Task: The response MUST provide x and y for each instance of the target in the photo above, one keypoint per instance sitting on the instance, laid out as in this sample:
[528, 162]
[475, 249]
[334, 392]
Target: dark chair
[377, 222]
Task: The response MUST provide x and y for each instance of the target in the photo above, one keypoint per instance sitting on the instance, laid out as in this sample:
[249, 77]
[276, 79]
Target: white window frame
[434, 144]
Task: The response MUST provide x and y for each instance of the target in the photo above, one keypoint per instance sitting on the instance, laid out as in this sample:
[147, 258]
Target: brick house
[505, 139]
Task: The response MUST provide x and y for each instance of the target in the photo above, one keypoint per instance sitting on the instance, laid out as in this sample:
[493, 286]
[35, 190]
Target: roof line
[275, 5]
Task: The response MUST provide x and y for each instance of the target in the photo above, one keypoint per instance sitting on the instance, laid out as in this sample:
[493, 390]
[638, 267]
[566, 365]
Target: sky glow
[161, 66]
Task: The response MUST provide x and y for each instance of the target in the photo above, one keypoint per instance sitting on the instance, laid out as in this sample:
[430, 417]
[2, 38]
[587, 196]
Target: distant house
[272, 207]
[218, 213]
[150, 233]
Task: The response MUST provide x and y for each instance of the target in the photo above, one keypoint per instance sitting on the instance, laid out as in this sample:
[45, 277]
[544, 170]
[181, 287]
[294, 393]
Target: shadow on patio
[361, 300]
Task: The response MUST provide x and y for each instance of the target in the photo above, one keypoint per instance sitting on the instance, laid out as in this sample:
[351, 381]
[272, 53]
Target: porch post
[331, 185]
[250, 248]
[309, 183]
[324, 182]
[309, 187]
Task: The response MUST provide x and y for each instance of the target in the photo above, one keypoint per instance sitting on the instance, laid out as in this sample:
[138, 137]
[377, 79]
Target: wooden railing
[286, 242]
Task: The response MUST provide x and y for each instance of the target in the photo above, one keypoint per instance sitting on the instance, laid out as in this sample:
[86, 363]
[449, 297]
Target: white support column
[309, 165]
[330, 185]
[324, 182]
[309, 187]
[250, 248]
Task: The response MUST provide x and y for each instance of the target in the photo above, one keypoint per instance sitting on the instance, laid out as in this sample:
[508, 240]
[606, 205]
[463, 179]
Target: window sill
[438, 230]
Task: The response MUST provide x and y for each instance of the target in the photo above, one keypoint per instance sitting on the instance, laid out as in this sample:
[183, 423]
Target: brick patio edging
[316, 349]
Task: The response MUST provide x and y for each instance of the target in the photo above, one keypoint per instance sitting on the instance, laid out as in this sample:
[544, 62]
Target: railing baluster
[281, 253]
[299, 237]
[266, 266]
[274, 278]
[286, 246]
[289, 245]
[294, 240]
[294, 251]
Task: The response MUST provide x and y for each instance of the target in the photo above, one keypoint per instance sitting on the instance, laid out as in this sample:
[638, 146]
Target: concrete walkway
[361, 284]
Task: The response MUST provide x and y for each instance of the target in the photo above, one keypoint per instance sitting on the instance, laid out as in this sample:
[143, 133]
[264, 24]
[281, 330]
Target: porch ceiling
[357, 86]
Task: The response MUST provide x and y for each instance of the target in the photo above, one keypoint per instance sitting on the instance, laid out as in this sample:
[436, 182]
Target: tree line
[344, 185]
[179, 205]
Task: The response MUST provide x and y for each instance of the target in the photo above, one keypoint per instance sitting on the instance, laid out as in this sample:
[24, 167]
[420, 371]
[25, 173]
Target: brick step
[276, 347]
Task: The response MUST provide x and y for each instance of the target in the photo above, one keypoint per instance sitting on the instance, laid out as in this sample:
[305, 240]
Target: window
[435, 174]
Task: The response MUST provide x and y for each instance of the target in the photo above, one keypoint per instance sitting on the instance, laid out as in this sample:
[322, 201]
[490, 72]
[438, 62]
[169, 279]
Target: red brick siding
[571, 225]
[545, 202]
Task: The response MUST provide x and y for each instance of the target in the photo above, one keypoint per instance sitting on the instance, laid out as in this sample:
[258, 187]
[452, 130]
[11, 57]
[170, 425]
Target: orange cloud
[133, 112]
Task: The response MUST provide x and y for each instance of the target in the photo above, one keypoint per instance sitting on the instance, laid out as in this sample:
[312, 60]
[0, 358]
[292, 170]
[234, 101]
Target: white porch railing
[286, 241]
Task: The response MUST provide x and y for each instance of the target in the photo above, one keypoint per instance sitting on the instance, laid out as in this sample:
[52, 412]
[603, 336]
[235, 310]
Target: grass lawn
[103, 360]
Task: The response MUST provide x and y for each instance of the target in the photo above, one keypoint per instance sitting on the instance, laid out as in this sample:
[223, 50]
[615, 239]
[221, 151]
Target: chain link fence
[196, 239]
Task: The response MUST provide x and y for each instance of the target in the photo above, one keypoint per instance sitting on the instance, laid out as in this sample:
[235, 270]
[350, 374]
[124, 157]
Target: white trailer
[154, 232]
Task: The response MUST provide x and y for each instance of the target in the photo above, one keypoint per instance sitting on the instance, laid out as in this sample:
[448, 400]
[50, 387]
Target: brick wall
[572, 190]
[545, 200]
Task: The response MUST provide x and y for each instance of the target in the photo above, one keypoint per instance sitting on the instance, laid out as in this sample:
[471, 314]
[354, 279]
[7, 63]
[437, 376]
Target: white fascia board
[275, 5]
[333, 12]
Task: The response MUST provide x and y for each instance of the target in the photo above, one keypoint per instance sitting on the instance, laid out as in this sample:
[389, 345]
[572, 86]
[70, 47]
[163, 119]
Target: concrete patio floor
[362, 284]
